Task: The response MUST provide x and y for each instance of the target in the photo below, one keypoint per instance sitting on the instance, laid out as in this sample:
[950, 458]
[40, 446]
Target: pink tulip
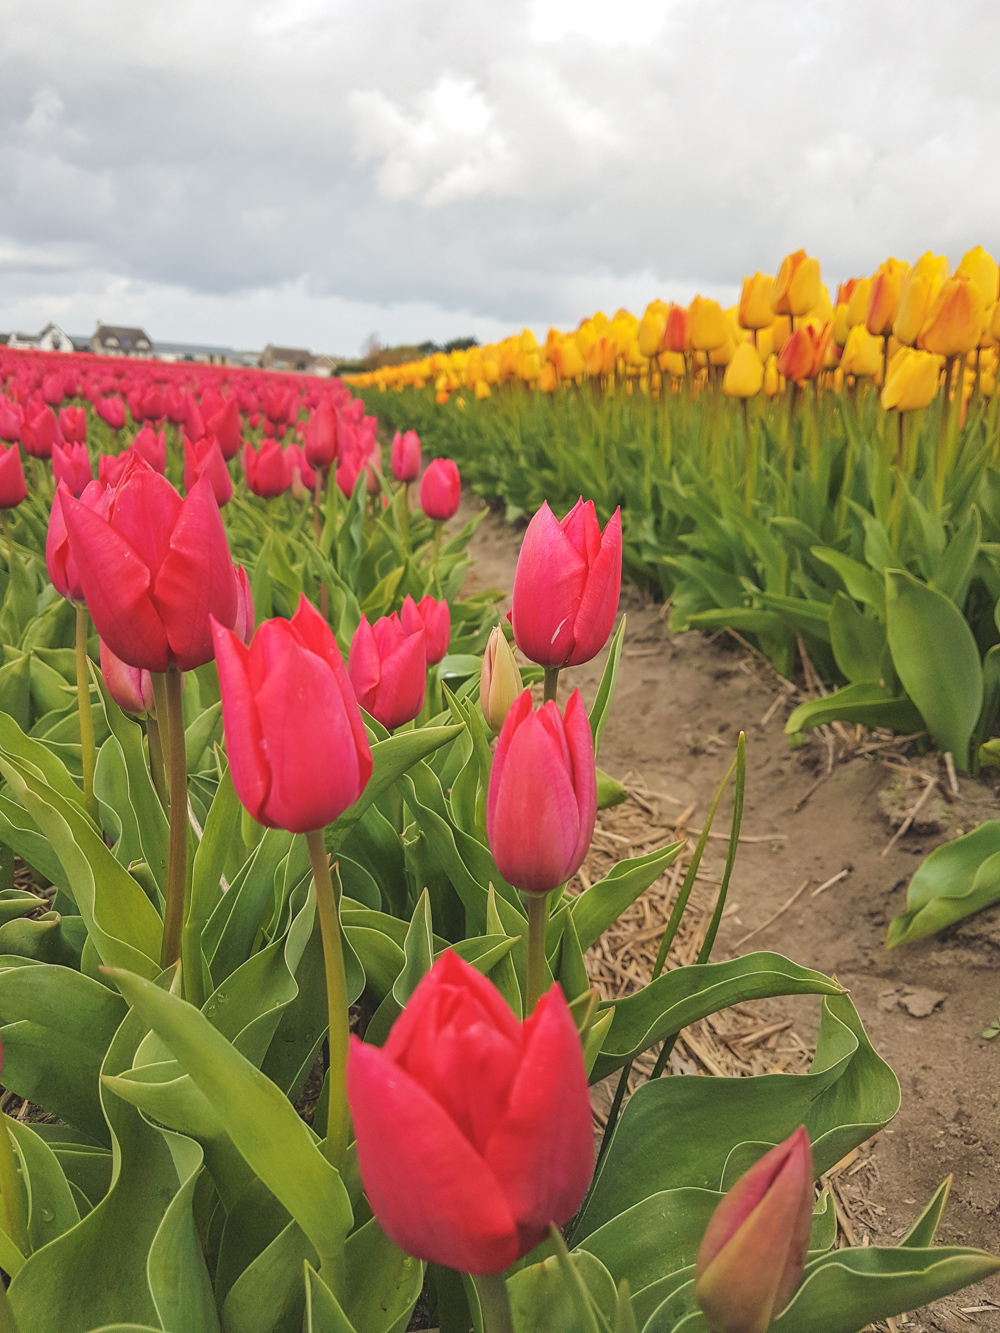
[473, 1130]
[152, 446]
[111, 410]
[388, 668]
[58, 557]
[295, 739]
[11, 420]
[321, 437]
[12, 485]
[406, 456]
[753, 1253]
[566, 586]
[244, 623]
[265, 470]
[130, 687]
[40, 432]
[440, 489]
[301, 477]
[71, 464]
[542, 801]
[110, 468]
[434, 618]
[204, 459]
[52, 390]
[73, 424]
[226, 425]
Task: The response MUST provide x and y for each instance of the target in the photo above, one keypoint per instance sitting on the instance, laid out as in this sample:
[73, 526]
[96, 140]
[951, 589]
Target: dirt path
[679, 706]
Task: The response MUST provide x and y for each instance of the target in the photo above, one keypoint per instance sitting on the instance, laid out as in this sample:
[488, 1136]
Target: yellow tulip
[797, 286]
[529, 366]
[781, 331]
[765, 342]
[652, 328]
[857, 305]
[912, 381]
[981, 268]
[755, 310]
[672, 363]
[862, 353]
[723, 354]
[528, 342]
[772, 380]
[956, 318]
[744, 376]
[822, 309]
[841, 328]
[482, 389]
[883, 296]
[706, 324]
[567, 358]
[917, 295]
[547, 380]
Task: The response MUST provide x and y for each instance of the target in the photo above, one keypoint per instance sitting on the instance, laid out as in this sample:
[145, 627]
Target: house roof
[122, 335]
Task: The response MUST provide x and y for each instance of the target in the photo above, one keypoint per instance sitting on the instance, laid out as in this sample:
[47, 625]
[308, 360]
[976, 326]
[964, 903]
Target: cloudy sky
[312, 171]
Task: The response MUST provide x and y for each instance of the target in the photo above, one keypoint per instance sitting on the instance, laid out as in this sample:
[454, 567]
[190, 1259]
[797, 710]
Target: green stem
[538, 919]
[491, 1288]
[551, 684]
[160, 704]
[336, 999]
[435, 549]
[895, 510]
[404, 517]
[749, 460]
[156, 769]
[87, 746]
[15, 1220]
[173, 916]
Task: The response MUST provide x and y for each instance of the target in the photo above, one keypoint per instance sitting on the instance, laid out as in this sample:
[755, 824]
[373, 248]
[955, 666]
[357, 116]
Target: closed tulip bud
[434, 618]
[152, 446]
[981, 268]
[672, 363]
[995, 322]
[883, 296]
[11, 420]
[154, 570]
[482, 389]
[862, 353]
[744, 376]
[130, 687]
[652, 327]
[803, 354]
[40, 433]
[500, 680]
[322, 437]
[918, 294]
[226, 425]
[857, 302]
[473, 1130]
[707, 324]
[765, 339]
[542, 800]
[388, 670]
[244, 622]
[295, 738]
[111, 410]
[59, 560]
[753, 1253]
[440, 489]
[955, 321]
[841, 328]
[71, 464]
[911, 381]
[772, 380]
[110, 468]
[781, 331]
[675, 337]
[204, 459]
[73, 424]
[798, 285]
[265, 469]
[12, 485]
[566, 586]
[405, 456]
[756, 310]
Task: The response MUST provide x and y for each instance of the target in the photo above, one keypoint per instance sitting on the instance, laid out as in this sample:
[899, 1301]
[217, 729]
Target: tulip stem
[156, 770]
[551, 684]
[15, 1220]
[328, 908]
[538, 919]
[159, 681]
[173, 915]
[491, 1288]
[88, 749]
[404, 518]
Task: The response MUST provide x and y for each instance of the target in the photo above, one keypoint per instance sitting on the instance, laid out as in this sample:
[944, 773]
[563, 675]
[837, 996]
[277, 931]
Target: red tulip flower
[194, 422]
[434, 618]
[440, 489]
[40, 432]
[226, 425]
[52, 390]
[295, 738]
[566, 586]
[110, 468]
[753, 1253]
[12, 485]
[155, 570]
[473, 1130]
[152, 446]
[321, 437]
[73, 424]
[265, 470]
[406, 456]
[153, 405]
[388, 669]
[58, 557]
[111, 410]
[130, 687]
[71, 464]
[204, 459]
[11, 420]
[542, 801]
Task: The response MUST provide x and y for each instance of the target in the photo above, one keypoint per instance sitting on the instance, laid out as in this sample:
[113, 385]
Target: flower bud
[912, 380]
[956, 319]
[500, 681]
[798, 285]
[981, 268]
[745, 373]
[919, 291]
[857, 302]
[707, 325]
[753, 1253]
[755, 309]
[883, 296]
[862, 353]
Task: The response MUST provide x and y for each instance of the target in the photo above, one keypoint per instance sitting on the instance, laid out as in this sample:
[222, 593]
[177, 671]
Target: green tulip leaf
[322, 1313]
[418, 951]
[383, 1283]
[178, 1279]
[605, 691]
[958, 878]
[921, 1235]
[598, 907]
[867, 702]
[858, 641]
[545, 1299]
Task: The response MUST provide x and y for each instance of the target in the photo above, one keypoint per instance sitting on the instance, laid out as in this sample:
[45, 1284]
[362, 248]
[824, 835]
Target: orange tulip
[803, 355]
[883, 298]
[798, 285]
[857, 302]
[756, 310]
[955, 320]
[922, 285]
[675, 339]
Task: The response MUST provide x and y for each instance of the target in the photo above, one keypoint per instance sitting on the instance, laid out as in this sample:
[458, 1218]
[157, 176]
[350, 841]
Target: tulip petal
[430, 1190]
[599, 603]
[400, 694]
[319, 638]
[115, 583]
[244, 743]
[543, 1151]
[549, 582]
[196, 579]
[144, 511]
[580, 742]
[363, 665]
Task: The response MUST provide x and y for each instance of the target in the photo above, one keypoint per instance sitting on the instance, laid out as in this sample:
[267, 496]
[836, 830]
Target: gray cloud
[313, 169]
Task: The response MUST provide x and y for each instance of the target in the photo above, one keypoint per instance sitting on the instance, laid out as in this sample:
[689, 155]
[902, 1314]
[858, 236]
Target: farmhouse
[51, 339]
[117, 340]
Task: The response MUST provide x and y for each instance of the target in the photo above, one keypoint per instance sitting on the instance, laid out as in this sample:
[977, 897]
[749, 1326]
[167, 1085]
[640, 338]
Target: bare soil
[680, 703]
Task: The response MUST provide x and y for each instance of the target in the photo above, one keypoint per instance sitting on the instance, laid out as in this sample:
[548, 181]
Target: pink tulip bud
[130, 687]
[73, 424]
[226, 425]
[110, 468]
[321, 437]
[753, 1252]
[440, 489]
[265, 470]
[473, 1130]
[434, 618]
[12, 485]
[244, 624]
[152, 446]
[111, 410]
[566, 586]
[406, 456]
[40, 433]
[295, 738]
[71, 464]
[388, 670]
[204, 459]
[542, 801]
[58, 558]
[11, 420]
